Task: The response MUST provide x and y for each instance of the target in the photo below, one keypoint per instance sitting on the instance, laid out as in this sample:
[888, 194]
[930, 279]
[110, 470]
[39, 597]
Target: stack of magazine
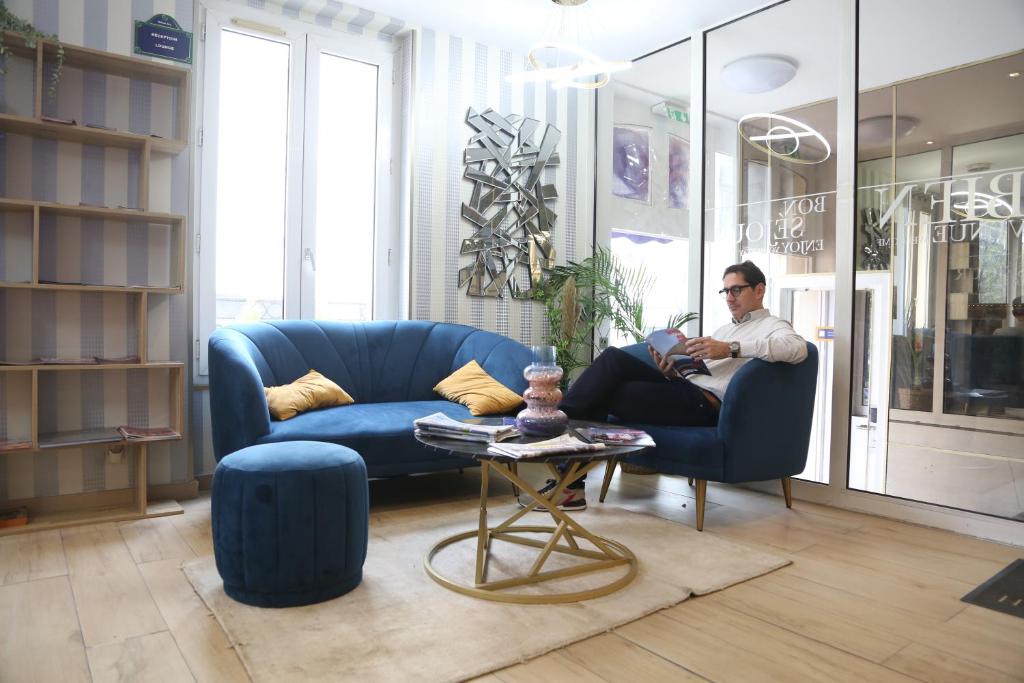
[560, 445]
[441, 425]
[616, 436]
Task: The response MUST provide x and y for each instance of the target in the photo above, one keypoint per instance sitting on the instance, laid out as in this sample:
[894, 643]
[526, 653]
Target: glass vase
[541, 417]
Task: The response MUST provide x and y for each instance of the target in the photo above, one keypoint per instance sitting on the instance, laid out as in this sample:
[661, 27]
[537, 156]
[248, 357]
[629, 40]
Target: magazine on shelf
[148, 433]
[560, 445]
[47, 360]
[441, 425]
[116, 360]
[616, 436]
[671, 344]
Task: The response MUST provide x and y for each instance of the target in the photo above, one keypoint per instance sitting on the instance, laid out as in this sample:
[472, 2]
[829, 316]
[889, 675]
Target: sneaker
[574, 497]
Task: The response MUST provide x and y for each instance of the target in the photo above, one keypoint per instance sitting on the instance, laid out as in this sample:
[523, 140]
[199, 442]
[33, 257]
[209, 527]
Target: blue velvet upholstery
[389, 368]
[290, 522]
[764, 426]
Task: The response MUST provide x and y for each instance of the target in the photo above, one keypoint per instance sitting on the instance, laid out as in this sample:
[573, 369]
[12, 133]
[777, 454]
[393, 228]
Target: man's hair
[750, 272]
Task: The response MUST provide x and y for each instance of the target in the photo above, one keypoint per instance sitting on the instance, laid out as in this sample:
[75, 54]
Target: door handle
[308, 255]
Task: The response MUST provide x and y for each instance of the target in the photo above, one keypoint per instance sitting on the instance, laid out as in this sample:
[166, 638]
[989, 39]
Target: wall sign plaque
[162, 36]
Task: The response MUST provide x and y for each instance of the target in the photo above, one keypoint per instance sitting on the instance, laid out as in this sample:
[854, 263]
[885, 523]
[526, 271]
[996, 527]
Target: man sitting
[622, 385]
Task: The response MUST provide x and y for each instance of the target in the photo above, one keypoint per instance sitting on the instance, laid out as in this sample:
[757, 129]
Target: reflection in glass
[770, 179]
[644, 196]
[939, 370]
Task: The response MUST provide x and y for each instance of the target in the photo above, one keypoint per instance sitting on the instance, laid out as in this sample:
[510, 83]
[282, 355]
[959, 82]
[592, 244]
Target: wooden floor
[866, 599]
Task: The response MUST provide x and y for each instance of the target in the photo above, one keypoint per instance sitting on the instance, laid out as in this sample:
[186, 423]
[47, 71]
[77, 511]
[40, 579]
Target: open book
[671, 344]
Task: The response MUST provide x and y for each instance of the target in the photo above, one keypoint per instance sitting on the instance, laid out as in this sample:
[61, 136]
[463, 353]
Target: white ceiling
[613, 29]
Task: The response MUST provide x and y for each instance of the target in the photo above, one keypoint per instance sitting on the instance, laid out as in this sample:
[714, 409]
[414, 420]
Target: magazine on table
[560, 445]
[671, 344]
[441, 425]
[616, 436]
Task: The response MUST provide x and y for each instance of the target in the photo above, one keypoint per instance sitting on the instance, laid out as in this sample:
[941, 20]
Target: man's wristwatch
[734, 349]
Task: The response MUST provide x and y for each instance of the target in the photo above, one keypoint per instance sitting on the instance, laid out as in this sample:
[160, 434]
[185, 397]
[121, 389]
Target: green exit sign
[680, 115]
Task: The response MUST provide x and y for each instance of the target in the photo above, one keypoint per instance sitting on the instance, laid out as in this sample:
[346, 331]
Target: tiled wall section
[450, 75]
[97, 251]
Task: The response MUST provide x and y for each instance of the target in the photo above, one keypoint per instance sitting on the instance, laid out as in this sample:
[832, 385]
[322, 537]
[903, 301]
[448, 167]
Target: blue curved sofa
[389, 367]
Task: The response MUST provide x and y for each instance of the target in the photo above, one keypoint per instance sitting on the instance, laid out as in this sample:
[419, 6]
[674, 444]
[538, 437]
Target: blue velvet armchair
[764, 428]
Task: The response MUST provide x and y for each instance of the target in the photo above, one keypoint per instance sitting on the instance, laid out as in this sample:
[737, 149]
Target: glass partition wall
[643, 182]
[770, 176]
[874, 171]
[937, 406]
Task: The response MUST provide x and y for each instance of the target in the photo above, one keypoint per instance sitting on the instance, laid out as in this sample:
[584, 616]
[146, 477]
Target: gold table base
[608, 554]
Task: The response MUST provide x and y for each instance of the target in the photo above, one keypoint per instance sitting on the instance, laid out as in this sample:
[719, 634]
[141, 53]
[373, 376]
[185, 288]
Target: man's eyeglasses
[735, 290]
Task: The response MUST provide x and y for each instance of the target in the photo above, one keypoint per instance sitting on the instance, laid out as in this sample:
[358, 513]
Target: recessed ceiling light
[758, 73]
[1014, 74]
[930, 142]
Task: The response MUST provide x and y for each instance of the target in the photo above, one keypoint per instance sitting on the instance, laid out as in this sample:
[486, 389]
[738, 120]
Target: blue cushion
[290, 522]
[381, 432]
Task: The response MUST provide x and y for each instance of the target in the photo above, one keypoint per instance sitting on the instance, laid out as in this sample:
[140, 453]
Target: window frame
[305, 42]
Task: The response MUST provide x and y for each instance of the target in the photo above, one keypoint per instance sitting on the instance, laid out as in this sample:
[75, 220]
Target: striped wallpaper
[453, 74]
[71, 324]
[449, 74]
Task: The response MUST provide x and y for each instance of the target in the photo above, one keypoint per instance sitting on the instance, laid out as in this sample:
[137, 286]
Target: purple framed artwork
[678, 172]
[631, 163]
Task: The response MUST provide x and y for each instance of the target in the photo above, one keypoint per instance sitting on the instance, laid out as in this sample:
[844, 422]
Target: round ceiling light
[758, 73]
[878, 129]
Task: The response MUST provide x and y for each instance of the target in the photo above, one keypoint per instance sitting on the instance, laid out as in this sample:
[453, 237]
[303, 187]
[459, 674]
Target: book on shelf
[671, 343]
[55, 119]
[616, 436]
[99, 126]
[15, 517]
[443, 426]
[51, 360]
[147, 433]
[566, 444]
[116, 360]
[79, 437]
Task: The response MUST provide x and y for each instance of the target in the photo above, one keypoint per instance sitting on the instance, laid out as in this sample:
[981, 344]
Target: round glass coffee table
[566, 536]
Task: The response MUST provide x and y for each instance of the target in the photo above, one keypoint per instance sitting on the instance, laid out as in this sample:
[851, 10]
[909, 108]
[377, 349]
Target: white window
[296, 186]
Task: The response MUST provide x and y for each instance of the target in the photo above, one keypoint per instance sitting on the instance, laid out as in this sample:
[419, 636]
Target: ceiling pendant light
[582, 69]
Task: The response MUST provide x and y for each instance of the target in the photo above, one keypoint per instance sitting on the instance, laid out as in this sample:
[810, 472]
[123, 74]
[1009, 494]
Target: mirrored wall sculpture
[509, 208]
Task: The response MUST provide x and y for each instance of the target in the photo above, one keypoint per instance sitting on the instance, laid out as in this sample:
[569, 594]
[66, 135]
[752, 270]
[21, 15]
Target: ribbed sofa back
[376, 362]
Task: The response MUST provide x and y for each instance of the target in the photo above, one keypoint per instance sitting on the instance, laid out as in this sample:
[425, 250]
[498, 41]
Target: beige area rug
[400, 625]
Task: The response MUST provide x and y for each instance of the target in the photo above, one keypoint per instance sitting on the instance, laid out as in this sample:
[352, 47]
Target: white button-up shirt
[761, 335]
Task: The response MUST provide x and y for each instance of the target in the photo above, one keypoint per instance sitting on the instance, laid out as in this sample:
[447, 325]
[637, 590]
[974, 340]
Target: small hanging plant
[29, 33]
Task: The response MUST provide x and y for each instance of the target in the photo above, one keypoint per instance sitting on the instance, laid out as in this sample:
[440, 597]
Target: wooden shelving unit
[27, 439]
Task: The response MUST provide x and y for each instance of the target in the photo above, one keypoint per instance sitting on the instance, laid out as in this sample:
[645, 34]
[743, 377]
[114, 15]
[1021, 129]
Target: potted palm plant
[580, 297]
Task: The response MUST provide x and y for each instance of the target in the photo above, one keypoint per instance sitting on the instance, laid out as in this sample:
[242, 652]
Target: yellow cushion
[312, 390]
[471, 386]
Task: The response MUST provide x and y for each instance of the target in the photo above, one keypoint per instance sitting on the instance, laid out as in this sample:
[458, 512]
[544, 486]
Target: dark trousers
[635, 393]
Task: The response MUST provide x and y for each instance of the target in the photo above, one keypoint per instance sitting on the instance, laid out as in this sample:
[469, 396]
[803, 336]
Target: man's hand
[707, 348]
[664, 364]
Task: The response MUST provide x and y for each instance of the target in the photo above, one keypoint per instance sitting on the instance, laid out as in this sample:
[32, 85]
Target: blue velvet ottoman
[290, 522]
